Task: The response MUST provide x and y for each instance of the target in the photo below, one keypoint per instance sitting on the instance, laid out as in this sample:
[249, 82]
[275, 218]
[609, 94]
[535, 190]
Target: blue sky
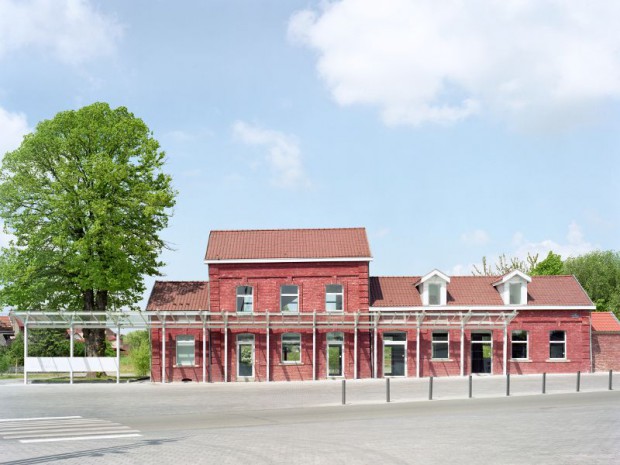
[449, 130]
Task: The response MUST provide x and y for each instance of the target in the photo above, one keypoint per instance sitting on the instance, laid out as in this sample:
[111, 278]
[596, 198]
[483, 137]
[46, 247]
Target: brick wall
[606, 351]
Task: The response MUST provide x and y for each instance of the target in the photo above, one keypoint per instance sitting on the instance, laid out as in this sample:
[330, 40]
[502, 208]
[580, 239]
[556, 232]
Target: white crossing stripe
[71, 428]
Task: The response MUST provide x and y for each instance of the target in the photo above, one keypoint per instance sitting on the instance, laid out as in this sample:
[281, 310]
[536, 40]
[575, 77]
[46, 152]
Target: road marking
[80, 438]
[70, 428]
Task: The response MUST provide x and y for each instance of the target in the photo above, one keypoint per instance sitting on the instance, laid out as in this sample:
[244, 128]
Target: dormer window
[433, 288]
[513, 288]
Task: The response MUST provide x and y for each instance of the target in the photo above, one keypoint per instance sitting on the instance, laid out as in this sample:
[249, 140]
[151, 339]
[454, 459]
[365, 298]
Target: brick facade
[606, 351]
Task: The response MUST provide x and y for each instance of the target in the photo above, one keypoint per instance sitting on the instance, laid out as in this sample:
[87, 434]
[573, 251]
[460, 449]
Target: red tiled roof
[179, 295]
[477, 290]
[605, 322]
[5, 323]
[288, 243]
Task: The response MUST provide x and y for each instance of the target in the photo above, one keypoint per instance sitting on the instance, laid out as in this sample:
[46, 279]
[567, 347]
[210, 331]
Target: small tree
[505, 265]
[139, 351]
[552, 265]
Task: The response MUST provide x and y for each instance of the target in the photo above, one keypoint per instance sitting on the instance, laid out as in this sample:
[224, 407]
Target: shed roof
[273, 244]
[605, 322]
[179, 295]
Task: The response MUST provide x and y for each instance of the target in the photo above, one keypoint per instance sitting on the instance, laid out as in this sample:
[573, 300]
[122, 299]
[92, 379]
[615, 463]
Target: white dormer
[434, 288]
[513, 288]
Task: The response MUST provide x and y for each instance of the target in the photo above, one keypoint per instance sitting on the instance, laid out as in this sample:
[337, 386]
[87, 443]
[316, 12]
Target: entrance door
[481, 353]
[245, 356]
[335, 356]
[394, 354]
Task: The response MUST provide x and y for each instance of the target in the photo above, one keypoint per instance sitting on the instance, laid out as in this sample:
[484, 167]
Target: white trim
[475, 308]
[526, 342]
[511, 275]
[290, 362]
[564, 342]
[288, 260]
[433, 342]
[435, 272]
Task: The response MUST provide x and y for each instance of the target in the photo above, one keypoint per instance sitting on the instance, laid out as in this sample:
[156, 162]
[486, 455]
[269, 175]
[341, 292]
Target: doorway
[335, 354]
[481, 353]
[245, 356]
[394, 354]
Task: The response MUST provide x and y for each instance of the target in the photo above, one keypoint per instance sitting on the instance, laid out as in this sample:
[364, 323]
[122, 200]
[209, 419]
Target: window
[515, 293]
[289, 299]
[434, 294]
[291, 348]
[519, 344]
[440, 345]
[185, 351]
[334, 298]
[557, 344]
[245, 299]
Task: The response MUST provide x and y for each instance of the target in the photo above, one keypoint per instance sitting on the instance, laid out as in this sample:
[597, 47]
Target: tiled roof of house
[288, 243]
[5, 323]
[179, 295]
[605, 322]
[477, 290]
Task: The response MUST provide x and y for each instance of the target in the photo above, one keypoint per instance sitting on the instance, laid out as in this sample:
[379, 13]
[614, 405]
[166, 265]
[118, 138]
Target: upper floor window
[289, 298]
[512, 287]
[245, 299]
[515, 293]
[434, 296]
[334, 297]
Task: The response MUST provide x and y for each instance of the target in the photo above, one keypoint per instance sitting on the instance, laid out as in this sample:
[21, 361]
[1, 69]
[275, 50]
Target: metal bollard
[470, 386]
[544, 383]
[344, 392]
[387, 389]
[430, 388]
[507, 384]
[578, 380]
[610, 379]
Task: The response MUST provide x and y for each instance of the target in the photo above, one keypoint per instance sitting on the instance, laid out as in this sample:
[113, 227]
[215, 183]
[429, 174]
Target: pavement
[306, 422]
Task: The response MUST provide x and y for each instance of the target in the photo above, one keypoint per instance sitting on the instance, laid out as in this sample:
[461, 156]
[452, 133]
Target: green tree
[599, 274]
[85, 197]
[552, 265]
[139, 351]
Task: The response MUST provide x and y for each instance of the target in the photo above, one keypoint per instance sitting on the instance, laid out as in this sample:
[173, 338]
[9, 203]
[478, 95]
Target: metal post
[544, 386]
[314, 345]
[387, 389]
[118, 354]
[430, 388]
[163, 353]
[209, 366]
[26, 351]
[204, 351]
[505, 348]
[471, 386]
[374, 365]
[71, 355]
[344, 391]
[355, 346]
[462, 349]
[578, 380]
[508, 384]
[610, 379]
[225, 348]
[267, 348]
[417, 352]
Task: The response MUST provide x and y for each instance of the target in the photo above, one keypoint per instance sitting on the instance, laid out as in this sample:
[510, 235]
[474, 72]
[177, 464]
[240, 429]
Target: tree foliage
[552, 265]
[139, 351]
[599, 274]
[85, 197]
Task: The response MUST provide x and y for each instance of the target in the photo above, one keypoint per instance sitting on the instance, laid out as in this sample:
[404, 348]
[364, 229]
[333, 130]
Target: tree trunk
[94, 338]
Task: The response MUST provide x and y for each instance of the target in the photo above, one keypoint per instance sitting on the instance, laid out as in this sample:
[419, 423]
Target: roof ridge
[290, 229]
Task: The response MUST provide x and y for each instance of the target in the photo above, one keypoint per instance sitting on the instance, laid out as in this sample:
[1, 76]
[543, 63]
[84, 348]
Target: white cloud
[283, 153]
[532, 62]
[73, 31]
[476, 237]
[575, 244]
[13, 127]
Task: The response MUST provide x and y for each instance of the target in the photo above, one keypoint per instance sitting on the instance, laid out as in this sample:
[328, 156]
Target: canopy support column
[204, 351]
[417, 351]
[505, 347]
[267, 348]
[163, 352]
[314, 345]
[355, 346]
[71, 354]
[374, 346]
[25, 350]
[226, 347]
[462, 349]
[118, 353]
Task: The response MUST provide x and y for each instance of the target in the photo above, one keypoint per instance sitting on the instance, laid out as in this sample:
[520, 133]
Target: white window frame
[519, 294]
[298, 343]
[245, 298]
[395, 343]
[341, 294]
[439, 289]
[434, 342]
[246, 339]
[526, 343]
[283, 294]
[185, 340]
[335, 338]
[563, 343]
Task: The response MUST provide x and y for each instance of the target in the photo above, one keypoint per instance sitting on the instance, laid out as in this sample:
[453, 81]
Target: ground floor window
[440, 345]
[519, 344]
[557, 344]
[335, 352]
[291, 348]
[245, 355]
[186, 353]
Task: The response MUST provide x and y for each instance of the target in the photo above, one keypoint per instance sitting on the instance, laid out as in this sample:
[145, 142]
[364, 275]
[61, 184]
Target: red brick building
[605, 341]
[300, 305]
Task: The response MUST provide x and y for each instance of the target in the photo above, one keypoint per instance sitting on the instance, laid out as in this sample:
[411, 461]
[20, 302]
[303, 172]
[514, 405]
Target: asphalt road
[236, 424]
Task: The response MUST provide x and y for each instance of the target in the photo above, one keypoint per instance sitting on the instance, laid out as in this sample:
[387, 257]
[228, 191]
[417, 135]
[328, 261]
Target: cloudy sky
[450, 130]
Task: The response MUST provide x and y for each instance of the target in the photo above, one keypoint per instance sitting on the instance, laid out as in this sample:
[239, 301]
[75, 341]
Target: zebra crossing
[69, 428]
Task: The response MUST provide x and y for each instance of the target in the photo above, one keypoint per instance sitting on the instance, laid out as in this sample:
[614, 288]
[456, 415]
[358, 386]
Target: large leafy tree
[552, 265]
[599, 274]
[86, 198]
